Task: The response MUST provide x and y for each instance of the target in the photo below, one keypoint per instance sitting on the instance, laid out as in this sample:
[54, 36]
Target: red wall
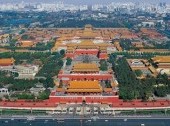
[102, 99]
[65, 99]
[86, 77]
[86, 51]
[103, 56]
[70, 55]
[88, 99]
[6, 64]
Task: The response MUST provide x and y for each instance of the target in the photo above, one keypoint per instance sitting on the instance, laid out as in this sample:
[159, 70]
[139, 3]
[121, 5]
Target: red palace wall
[87, 99]
[6, 64]
[85, 76]
[70, 55]
[86, 51]
[103, 56]
[62, 99]
[101, 99]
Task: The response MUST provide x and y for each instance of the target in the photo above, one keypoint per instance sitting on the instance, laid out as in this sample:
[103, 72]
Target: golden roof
[87, 43]
[4, 61]
[85, 67]
[60, 90]
[161, 59]
[70, 49]
[84, 90]
[27, 43]
[84, 86]
[107, 89]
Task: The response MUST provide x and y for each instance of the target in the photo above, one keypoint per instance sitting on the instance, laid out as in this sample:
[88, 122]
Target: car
[96, 110]
[57, 112]
[88, 110]
[78, 110]
[64, 110]
[71, 109]
[102, 110]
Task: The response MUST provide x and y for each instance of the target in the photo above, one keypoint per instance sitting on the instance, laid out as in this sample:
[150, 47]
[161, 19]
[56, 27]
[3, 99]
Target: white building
[4, 39]
[38, 89]
[148, 23]
[27, 71]
[4, 92]
[24, 71]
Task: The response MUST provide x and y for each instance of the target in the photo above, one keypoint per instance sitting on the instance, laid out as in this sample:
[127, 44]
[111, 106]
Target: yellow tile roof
[27, 43]
[4, 61]
[87, 42]
[84, 86]
[161, 59]
[84, 91]
[85, 67]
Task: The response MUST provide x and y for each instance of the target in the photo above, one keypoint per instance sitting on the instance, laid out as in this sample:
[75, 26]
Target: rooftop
[5, 61]
[84, 86]
[78, 67]
[27, 43]
[161, 59]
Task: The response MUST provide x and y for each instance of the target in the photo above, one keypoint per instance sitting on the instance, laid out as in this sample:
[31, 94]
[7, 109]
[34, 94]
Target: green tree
[160, 91]
[68, 61]
[62, 52]
[60, 62]
[138, 73]
[44, 95]
[103, 65]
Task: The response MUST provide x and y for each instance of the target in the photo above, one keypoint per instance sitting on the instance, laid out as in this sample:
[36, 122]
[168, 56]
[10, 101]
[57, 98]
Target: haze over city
[89, 2]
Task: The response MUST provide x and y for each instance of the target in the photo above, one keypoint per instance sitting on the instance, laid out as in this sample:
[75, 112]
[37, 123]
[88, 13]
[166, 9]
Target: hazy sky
[87, 1]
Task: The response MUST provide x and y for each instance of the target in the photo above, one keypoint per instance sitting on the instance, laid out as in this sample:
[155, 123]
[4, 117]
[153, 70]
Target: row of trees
[132, 88]
[126, 44]
[52, 66]
[95, 23]
[26, 56]
[42, 96]
[43, 46]
[103, 65]
[128, 84]
[16, 85]
[136, 55]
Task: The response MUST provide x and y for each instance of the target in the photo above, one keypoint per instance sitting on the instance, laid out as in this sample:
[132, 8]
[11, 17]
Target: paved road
[85, 122]
[81, 117]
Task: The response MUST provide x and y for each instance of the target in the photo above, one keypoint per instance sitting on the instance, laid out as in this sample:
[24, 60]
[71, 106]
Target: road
[117, 121]
[62, 117]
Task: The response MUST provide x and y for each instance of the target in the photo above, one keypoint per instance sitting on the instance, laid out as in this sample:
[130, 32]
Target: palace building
[85, 80]
[163, 64]
[162, 61]
[91, 41]
[6, 61]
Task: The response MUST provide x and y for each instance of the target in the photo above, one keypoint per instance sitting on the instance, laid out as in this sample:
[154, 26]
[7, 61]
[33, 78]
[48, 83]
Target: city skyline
[88, 2]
